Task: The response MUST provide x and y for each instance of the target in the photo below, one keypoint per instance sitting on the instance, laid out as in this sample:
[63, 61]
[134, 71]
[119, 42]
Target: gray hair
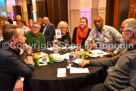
[132, 26]
[126, 21]
[45, 18]
[36, 23]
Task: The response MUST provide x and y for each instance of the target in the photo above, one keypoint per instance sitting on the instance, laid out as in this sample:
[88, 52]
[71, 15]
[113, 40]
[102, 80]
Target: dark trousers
[100, 87]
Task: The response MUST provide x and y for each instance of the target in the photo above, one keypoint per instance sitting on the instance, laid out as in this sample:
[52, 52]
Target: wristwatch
[21, 79]
[28, 54]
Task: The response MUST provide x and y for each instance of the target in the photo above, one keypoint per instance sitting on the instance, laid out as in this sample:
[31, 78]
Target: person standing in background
[48, 30]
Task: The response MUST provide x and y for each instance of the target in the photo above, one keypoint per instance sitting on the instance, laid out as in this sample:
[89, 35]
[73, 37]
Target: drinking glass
[66, 42]
[88, 46]
[38, 45]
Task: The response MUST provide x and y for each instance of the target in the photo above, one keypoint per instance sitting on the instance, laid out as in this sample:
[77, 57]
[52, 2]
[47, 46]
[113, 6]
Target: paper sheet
[58, 33]
[50, 49]
[98, 53]
[79, 70]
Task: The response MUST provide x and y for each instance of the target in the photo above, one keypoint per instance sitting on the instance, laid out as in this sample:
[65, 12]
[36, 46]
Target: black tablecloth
[45, 78]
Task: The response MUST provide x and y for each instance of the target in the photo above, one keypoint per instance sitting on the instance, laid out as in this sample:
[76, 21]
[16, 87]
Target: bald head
[46, 20]
[125, 22]
[98, 22]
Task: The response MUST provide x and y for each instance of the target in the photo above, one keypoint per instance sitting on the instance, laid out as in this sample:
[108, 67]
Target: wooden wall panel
[109, 12]
[123, 11]
[41, 9]
[64, 10]
[116, 14]
[50, 8]
[17, 9]
[57, 11]
[132, 9]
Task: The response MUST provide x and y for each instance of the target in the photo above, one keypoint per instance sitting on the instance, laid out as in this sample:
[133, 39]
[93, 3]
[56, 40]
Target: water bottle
[71, 58]
[55, 45]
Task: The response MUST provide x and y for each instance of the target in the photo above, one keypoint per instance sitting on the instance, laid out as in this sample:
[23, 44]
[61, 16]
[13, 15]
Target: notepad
[78, 70]
[61, 72]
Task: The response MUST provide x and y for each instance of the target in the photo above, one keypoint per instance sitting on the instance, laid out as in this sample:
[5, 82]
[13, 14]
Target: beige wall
[102, 3]
[86, 4]
[23, 4]
[97, 7]
[10, 4]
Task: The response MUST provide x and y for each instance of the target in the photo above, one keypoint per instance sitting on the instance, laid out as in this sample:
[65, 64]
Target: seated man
[122, 77]
[34, 38]
[13, 68]
[105, 36]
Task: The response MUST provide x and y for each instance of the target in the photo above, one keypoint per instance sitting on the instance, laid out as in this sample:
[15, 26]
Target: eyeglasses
[125, 31]
[64, 27]
[35, 27]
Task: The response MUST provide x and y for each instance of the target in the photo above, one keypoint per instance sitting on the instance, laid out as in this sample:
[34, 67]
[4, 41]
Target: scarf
[81, 34]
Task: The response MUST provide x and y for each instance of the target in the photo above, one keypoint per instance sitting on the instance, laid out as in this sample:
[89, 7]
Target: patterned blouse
[109, 39]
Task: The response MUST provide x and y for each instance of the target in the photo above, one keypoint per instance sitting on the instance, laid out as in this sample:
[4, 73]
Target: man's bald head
[98, 22]
[46, 20]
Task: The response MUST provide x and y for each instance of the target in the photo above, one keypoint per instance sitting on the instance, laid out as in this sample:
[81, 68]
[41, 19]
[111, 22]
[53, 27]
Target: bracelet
[28, 54]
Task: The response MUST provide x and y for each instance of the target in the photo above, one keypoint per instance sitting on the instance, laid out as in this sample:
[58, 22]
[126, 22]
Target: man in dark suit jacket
[13, 69]
[48, 30]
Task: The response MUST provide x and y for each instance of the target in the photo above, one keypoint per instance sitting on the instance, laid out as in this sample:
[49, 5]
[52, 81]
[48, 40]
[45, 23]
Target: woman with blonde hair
[63, 26]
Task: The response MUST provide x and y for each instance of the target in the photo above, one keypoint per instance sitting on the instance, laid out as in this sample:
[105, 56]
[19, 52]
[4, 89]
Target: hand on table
[110, 53]
[82, 63]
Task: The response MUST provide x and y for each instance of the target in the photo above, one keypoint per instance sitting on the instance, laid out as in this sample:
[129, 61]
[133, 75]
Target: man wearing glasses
[123, 75]
[34, 38]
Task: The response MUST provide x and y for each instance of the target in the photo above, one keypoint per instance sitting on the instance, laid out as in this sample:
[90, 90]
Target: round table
[45, 78]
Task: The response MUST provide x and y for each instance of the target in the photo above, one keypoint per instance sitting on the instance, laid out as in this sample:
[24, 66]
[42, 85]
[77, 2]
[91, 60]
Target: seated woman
[81, 32]
[64, 32]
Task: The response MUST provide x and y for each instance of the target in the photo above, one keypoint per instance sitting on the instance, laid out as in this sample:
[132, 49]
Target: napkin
[61, 72]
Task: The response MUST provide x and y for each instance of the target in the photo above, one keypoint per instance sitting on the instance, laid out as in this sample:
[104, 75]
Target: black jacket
[11, 67]
[49, 32]
[67, 36]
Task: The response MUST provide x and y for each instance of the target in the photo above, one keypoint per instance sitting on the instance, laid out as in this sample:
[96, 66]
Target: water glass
[88, 47]
[38, 45]
[51, 61]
